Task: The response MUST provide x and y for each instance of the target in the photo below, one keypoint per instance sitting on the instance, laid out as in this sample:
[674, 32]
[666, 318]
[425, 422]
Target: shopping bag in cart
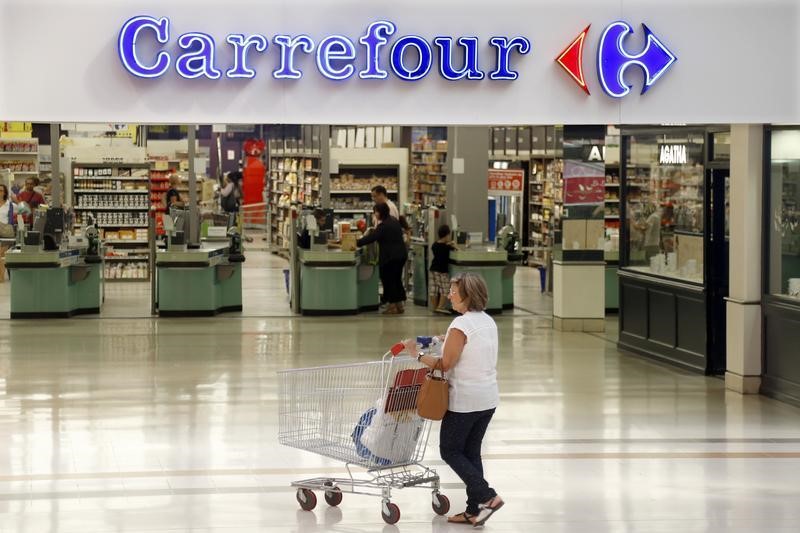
[388, 433]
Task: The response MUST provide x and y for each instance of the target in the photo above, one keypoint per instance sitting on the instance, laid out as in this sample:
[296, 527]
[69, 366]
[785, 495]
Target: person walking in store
[469, 357]
[173, 196]
[392, 256]
[231, 193]
[381, 196]
[440, 270]
[652, 232]
[31, 197]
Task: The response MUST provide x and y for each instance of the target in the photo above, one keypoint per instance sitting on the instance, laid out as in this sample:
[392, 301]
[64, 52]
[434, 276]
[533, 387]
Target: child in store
[440, 272]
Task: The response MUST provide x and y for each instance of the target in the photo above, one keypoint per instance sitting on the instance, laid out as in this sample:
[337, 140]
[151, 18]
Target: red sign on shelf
[506, 182]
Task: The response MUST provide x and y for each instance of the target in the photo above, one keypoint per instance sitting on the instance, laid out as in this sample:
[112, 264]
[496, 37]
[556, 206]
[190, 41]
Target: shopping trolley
[363, 414]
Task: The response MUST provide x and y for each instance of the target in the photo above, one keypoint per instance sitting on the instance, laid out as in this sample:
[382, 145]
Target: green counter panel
[328, 290]
[508, 286]
[49, 292]
[368, 297]
[493, 276]
[188, 291]
[612, 287]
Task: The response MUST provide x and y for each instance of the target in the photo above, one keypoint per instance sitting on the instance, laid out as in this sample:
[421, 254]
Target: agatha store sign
[147, 49]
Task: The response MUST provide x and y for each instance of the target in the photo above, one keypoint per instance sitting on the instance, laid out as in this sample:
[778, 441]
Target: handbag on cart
[434, 395]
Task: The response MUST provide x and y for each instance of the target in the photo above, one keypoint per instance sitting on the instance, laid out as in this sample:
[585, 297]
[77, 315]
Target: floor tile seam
[330, 470]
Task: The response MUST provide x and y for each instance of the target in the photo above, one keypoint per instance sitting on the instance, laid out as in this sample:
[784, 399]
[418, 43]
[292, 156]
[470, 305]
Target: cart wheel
[333, 498]
[306, 499]
[440, 504]
[394, 513]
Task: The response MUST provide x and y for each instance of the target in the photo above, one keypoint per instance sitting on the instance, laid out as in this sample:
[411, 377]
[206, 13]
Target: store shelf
[128, 258]
[22, 172]
[108, 178]
[19, 153]
[359, 192]
[352, 210]
[112, 209]
[110, 191]
[126, 241]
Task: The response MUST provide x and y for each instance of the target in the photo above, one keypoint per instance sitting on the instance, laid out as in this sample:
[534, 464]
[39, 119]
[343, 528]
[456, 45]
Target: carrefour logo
[144, 40]
[613, 59]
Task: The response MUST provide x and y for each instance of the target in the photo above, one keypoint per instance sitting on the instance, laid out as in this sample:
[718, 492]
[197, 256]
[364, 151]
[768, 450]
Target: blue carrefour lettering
[470, 69]
[145, 51]
[199, 60]
[240, 48]
[128, 37]
[424, 58]
[336, 48]
[374, 40]
[504, 48]
[288, 46]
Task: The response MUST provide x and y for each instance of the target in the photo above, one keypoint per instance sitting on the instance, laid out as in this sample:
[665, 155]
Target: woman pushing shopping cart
[365, 415]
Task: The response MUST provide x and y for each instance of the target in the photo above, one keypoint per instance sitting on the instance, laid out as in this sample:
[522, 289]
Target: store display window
[664, 205]
[784, 214]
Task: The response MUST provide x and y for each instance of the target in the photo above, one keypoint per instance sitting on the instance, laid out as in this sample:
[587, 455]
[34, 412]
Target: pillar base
[587, 325]
[742, 384]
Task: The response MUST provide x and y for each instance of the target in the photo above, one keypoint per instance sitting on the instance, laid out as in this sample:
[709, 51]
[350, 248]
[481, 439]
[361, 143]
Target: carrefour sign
[410, 57]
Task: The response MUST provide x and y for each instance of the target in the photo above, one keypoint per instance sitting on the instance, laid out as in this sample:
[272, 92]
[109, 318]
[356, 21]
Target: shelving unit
[360, 169]
[429, 172]
[20, 157]
[546, 199]
[116, 196]
[293, 178]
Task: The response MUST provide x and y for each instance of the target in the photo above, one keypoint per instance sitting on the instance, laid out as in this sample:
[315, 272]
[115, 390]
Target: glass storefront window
[784, 213]
[664, 205]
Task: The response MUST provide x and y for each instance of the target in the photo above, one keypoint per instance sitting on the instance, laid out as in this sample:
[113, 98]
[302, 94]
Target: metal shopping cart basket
[363, 414]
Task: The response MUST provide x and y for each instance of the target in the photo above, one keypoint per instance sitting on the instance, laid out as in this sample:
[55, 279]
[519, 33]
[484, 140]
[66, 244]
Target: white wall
[737, 63]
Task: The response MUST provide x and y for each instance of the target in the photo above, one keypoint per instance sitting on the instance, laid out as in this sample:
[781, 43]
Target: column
[744, 328]
[468, 191]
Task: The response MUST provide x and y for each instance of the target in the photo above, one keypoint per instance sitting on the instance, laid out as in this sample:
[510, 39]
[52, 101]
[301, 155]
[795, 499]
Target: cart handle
[397, 349]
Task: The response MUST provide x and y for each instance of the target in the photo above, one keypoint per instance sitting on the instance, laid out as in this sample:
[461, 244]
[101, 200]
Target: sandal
[487, 510]
[461, 518]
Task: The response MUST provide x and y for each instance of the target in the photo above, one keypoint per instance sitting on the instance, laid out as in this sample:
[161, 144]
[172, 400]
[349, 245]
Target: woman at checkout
[392, 256]
[469, 357]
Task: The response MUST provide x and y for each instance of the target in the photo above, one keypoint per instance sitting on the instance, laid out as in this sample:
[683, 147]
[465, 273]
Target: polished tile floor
[143, 425]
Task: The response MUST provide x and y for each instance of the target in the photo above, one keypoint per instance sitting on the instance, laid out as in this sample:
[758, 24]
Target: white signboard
[412, 62]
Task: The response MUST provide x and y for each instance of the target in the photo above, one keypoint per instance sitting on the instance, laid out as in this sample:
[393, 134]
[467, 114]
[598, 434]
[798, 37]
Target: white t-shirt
[473, 379]
[393, 209]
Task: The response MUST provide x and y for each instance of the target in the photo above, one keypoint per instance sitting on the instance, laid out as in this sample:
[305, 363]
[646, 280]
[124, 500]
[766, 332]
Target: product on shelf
[429, 172]
[292, 179]
[116, 198]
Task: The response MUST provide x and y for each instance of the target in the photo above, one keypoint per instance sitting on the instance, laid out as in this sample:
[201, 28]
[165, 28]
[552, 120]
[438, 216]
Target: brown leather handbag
[434, 395]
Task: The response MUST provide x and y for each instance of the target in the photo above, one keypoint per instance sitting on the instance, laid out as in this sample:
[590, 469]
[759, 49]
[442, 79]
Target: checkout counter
[53, 277]
[337, 282]
[491, 264]
[199, 281]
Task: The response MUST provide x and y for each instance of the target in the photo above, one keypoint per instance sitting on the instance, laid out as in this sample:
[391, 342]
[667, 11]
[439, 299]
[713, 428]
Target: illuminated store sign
[672, 154]
[147, 49]
[411, 57]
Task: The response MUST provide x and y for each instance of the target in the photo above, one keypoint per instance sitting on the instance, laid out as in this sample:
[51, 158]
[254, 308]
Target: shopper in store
[392, 256]
[381, 196]
[304, 237]
[173, 196]
[652, 231]
[231, 193]
[31, 197]
[6, 223]
[469, 357]
[440, 270]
